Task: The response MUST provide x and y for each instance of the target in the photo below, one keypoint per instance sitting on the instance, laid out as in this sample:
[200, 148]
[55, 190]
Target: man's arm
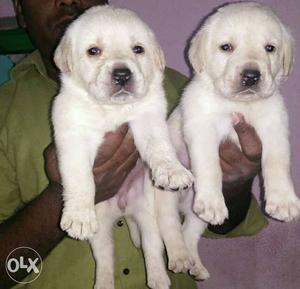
[37, 224]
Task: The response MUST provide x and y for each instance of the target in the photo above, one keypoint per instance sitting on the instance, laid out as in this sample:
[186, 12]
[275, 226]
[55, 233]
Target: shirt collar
[33, 60]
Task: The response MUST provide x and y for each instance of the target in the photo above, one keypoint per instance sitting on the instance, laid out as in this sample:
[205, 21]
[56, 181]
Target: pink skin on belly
[134, 183]
[132, 186]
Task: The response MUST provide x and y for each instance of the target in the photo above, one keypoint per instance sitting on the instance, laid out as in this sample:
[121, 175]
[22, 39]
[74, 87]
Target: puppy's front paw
[283, 208]
[79, 224]
[172, 176]
[210, 209]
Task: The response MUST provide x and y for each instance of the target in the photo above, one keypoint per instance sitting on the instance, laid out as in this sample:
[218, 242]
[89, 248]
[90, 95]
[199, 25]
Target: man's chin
[59, 28]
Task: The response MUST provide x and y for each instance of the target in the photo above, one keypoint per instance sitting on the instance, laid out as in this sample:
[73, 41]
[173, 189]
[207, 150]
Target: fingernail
[123, 128]
[236, 118]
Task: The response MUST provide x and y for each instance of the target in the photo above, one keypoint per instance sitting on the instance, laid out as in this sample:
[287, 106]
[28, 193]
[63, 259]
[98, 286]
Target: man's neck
[52, 71]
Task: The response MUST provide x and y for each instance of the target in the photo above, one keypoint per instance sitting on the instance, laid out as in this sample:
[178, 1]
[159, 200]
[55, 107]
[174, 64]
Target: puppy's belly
[130, 193]
[132, 187]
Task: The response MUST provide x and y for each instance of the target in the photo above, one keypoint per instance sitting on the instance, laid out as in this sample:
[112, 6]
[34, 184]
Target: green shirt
[25, 103]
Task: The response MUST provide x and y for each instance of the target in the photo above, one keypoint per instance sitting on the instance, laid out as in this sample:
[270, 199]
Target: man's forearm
[237, 199]
[35, 226]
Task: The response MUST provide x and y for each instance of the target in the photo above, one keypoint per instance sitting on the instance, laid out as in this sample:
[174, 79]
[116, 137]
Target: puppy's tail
[134, 232]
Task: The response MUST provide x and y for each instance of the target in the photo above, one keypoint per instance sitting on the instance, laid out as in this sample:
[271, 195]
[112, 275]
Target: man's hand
[239, 167]
[115, 159]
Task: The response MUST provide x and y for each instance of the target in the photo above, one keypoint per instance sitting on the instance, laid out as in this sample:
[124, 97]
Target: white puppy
[240, 55]
[112, 72]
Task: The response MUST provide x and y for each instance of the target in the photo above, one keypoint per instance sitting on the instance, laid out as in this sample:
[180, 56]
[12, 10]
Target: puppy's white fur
[216, 92]
[204, 119]
[91, 103]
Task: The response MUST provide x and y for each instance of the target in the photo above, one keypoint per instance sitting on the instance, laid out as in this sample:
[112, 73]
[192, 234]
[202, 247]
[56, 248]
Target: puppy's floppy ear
[63, 55]
[159, 57]
[197, 50]
[288, 51]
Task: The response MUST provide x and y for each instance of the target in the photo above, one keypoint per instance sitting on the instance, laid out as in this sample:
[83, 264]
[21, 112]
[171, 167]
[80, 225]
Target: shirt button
[120, 223]
[126, 271]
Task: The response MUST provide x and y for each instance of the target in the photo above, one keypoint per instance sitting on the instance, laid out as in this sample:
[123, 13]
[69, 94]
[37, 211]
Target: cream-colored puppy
[112, 72]
[239, 56]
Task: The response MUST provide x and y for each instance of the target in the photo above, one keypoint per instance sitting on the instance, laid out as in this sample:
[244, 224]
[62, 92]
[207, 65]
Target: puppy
[239, 56]
[112, 72]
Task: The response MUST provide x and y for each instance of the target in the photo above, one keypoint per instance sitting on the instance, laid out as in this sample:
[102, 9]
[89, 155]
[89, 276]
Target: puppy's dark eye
[270, 48]
[94, 51]
[138, 49]
[226, 47]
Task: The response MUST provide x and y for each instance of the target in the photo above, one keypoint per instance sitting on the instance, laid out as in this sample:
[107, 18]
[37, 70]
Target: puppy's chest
[108, 119]
[224, 121]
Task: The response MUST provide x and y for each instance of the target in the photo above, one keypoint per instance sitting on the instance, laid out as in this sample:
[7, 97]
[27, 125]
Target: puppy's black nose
[250, 77]
[121, 76]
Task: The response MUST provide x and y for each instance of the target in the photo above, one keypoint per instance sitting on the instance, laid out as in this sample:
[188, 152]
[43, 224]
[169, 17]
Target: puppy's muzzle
[121, 76]
[250, 78]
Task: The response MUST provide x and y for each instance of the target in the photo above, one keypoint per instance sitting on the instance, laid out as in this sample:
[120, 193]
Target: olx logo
[17, 261]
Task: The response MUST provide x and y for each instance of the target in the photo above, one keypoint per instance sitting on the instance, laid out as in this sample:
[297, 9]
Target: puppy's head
[112, 54]
[245, 51]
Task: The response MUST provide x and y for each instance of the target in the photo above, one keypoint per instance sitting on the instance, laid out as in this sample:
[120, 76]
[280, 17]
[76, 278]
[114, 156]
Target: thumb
[248, 138]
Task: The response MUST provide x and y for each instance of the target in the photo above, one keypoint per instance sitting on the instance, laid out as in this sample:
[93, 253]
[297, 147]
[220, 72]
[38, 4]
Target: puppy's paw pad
[81, 224]
[199, 272]
[283, 209]
[158, 279]
[213, 211]
[172, 176]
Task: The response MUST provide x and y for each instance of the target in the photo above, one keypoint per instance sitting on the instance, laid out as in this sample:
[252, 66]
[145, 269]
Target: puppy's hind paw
[81, 224]
[104, 284]
[158, 279]
[180, 262]
[284, 208]
[199, 272]
[172, 176]
[212, 211]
